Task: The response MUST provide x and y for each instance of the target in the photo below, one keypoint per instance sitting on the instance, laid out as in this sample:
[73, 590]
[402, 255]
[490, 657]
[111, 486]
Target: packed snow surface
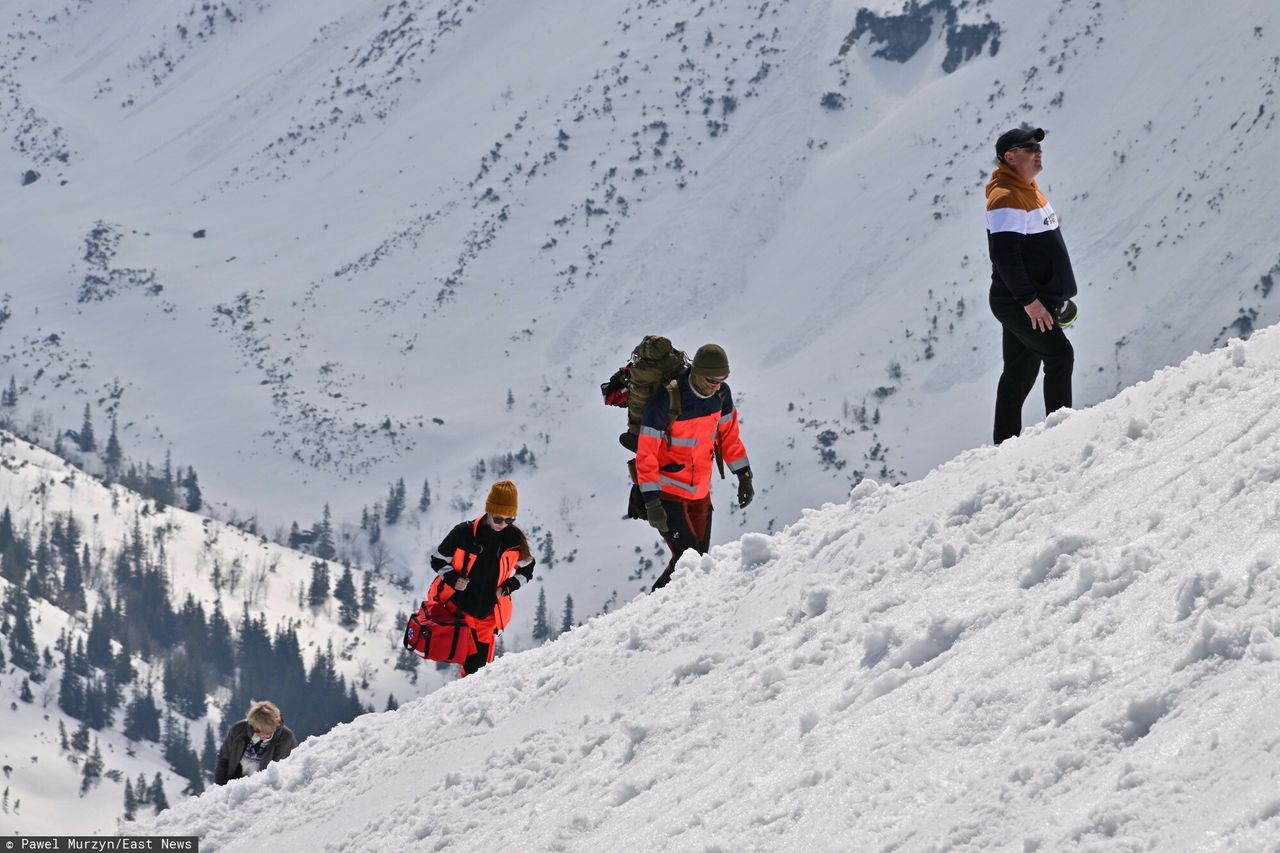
[1065, 643]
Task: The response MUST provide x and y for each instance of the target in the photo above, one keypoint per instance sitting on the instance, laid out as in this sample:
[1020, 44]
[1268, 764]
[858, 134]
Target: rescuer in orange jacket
[673, 467]
[479, 564]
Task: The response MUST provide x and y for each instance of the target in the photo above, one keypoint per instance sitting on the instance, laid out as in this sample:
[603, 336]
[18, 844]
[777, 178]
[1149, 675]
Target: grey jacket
[279, 747]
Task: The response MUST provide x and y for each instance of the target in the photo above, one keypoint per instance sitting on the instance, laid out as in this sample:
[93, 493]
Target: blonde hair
[264, 714]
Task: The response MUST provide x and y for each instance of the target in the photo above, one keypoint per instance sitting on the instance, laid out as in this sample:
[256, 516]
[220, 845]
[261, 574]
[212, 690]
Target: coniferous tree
[164, 490]
[6, 530]
[209, 755]
[86, 440]
[318, 592]
[98, 648]
[22, 642]
[424, 500]
[92, 769]
[70, 690]
[567, 622]
[541, 630]
[194, 499]
[80, 738]
[13, 564]
[122, 671]
[24, 692]
[220, 649]
[395, 502]
[407, 661]
[368, 593]
[113, 455]
[349, 605]
[324, 548]
[73, 600]
[392, 704]
[130, 801]
[155, 794]
[142, 718]
[42, 583]
[63, 744]
[181, 757]
[9, 398]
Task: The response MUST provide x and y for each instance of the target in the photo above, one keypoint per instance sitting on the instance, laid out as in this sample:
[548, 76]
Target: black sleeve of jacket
[456, 538]
[1006, 256]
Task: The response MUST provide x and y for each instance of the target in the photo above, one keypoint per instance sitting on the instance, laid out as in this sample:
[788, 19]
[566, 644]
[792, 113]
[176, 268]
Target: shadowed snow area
[1066, 643]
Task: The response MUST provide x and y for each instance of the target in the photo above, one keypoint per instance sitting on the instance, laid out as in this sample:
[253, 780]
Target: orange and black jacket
[1029, 258]
[487, 558]
[679, 465]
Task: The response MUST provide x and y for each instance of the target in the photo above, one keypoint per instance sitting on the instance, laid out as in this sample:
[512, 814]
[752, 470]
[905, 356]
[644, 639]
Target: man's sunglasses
[1033, 147]
[503, 519]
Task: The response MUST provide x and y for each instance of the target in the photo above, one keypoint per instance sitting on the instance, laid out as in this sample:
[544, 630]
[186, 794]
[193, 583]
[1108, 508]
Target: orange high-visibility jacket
[461, 549]
[679, 466]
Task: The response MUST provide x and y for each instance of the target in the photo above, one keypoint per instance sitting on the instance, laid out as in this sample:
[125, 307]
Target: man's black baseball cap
[1017, 136]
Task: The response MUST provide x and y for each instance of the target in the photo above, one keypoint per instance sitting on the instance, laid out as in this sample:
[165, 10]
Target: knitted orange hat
[502, 499]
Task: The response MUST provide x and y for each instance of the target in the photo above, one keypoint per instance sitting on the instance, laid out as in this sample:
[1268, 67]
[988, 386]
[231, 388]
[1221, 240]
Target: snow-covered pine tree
[86, 440]
[541, 630]
[567, 622]
[395, 502]
[112, 456]
[318, 592]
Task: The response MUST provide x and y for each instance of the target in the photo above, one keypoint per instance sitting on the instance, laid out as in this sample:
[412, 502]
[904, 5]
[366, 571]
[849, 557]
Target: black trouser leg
[479, 659]
[688, 526]
[1024, 349]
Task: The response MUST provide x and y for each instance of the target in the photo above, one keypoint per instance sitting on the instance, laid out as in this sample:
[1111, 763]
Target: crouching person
[253, 743]
[479, 565]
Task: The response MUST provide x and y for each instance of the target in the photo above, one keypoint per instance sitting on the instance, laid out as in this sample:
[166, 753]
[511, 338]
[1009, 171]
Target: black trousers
[1025, 349]
[688, 526]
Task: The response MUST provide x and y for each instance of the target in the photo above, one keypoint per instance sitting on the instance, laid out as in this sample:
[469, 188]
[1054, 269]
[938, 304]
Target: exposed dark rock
[199, 235]
[30, 177]
[900, 37]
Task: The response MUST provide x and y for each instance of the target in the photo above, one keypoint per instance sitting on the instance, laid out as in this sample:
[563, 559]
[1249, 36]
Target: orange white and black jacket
[680, 467]
[487, 558]
[1029, 258]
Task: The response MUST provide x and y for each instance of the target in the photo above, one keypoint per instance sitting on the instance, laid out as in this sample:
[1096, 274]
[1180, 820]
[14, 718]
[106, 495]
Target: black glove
[509, 585]
[635, 503]
[657, 515]
[746, 491]
[455, 580]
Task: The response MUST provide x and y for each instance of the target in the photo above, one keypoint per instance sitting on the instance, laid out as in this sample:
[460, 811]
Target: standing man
[675, 455]
[1031, 282]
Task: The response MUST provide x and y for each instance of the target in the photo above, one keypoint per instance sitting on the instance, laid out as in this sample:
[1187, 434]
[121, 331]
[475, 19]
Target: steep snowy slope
[314, 246]
[1067, 643]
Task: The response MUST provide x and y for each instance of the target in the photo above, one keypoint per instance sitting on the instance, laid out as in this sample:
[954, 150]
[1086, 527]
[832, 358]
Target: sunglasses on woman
[503, 519]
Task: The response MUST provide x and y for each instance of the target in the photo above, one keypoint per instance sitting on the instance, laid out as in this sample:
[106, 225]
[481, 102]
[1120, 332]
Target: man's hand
[657, 515]
[509, 585]
[455, 580]
[1041, 319]
[746, 491]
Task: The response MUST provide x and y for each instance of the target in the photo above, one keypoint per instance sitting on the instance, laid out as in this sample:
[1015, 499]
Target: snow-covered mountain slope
[1066, 643]
[316, 246]
[202, 558]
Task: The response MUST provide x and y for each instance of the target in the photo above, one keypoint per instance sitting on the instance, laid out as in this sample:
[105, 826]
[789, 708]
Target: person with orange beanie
[479, 565]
